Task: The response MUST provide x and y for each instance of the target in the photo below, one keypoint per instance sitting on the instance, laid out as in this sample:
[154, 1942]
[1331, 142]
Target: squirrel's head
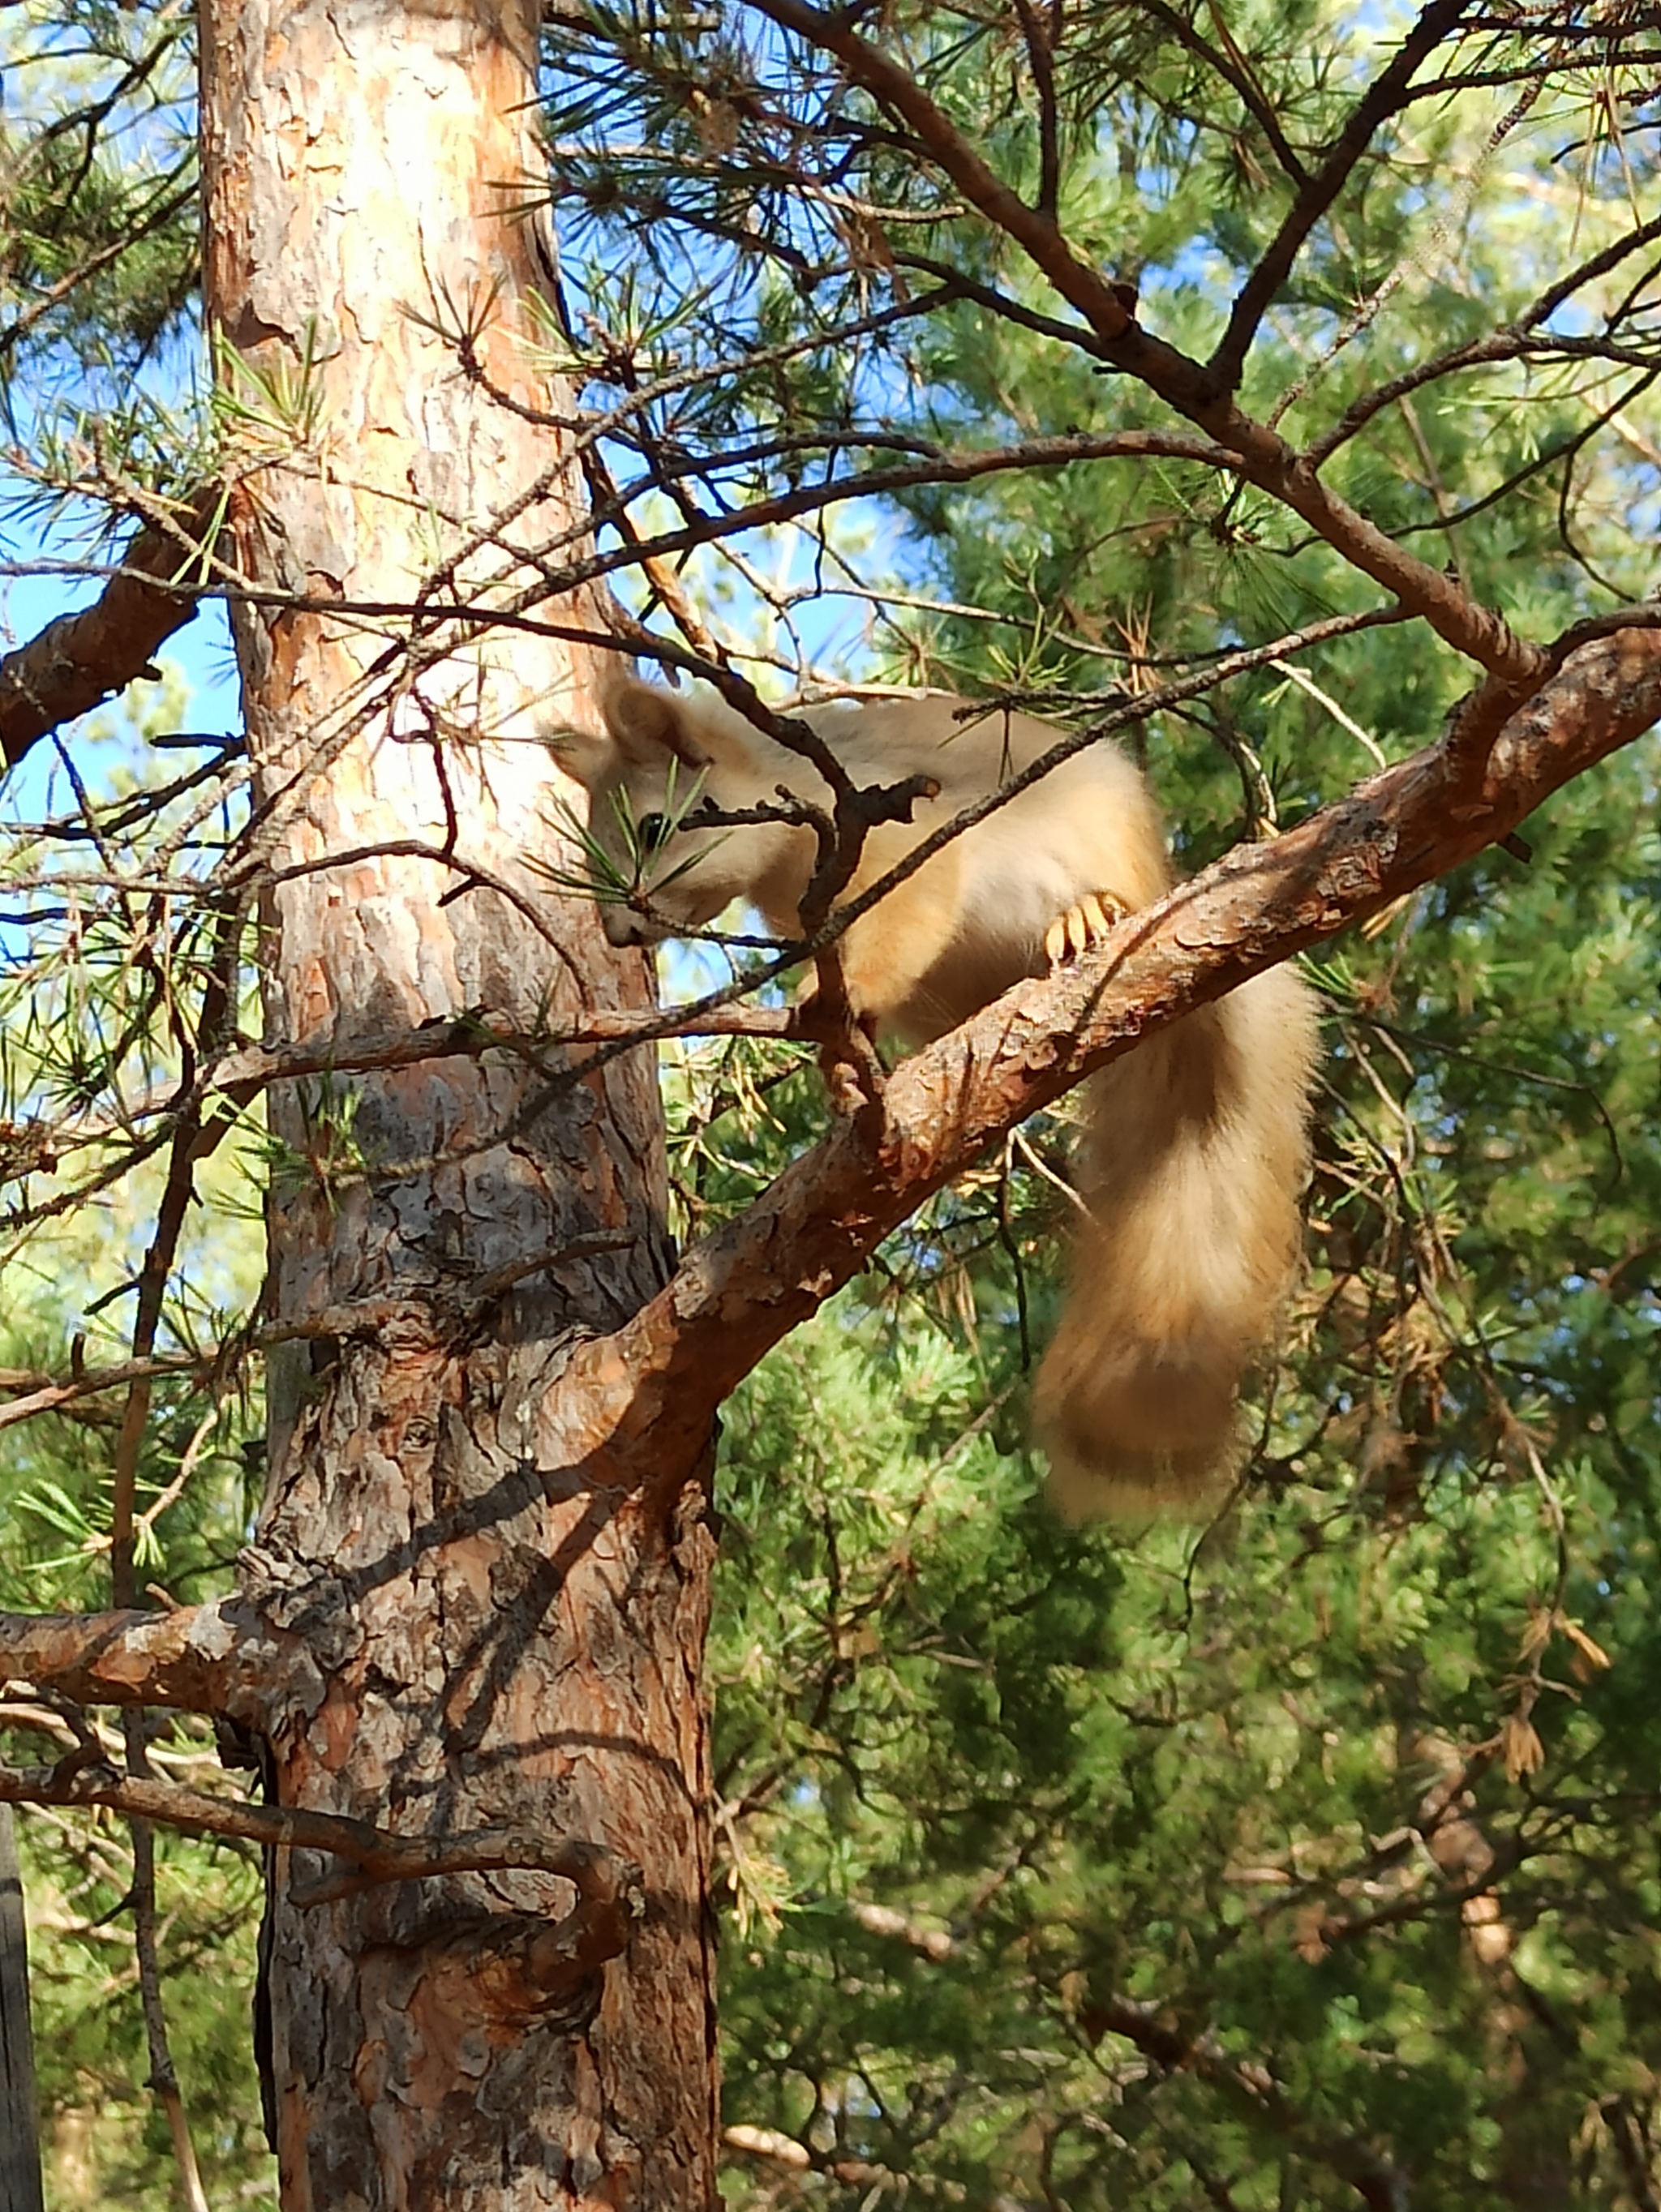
[662, 759]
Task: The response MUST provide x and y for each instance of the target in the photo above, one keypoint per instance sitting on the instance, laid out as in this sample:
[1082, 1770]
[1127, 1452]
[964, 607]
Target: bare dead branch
[377, 1853]
[80, 660]
[51, 1396]
[244, 1071]
[422, 1318]
[191, 1143]
[938, 466]
[162, 2077]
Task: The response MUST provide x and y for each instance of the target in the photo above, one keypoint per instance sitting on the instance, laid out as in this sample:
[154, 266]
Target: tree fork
[500, 1641]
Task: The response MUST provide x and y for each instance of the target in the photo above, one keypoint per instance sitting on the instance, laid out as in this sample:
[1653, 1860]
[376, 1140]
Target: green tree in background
[1268, 386]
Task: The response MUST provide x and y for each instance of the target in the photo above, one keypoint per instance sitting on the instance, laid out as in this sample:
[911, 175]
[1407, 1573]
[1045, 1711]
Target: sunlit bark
[497, 1638]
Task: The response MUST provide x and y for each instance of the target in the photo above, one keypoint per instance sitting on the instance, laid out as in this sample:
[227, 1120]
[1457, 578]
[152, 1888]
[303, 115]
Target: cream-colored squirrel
[1196, 1153]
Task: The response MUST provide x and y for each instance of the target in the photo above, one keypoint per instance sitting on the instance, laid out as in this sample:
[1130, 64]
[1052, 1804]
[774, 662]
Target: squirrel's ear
[646, 721]
[584, 756]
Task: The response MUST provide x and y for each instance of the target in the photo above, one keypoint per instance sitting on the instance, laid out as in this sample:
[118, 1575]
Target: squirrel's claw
[1082, 926]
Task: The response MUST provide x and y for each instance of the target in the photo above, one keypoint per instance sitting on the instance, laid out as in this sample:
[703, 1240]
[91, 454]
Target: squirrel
[1196, 1151]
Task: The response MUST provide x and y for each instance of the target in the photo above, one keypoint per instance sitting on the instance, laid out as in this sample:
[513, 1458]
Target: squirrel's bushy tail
[1195, 1164]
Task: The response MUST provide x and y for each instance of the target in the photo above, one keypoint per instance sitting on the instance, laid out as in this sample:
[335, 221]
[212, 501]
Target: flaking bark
[499, 1639]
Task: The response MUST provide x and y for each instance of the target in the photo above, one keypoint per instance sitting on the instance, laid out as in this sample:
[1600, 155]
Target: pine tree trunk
[505, 1634]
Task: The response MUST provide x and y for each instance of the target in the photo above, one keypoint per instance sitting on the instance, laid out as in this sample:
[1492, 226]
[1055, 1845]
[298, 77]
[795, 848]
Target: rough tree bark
[499, 1629]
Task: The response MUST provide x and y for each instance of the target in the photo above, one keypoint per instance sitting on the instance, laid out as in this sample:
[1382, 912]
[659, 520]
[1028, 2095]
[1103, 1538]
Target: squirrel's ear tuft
[647, 722]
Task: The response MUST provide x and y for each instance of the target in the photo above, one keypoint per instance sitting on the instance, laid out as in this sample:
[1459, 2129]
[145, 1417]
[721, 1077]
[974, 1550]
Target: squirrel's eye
[652, 831]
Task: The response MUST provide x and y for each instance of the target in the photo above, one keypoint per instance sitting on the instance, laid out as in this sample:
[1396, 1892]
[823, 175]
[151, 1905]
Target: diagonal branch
[894, 87]
[1230, 64]
[1388, 92]
[743, 1289]
[80, 660]
[1254, 2091]
[1247, 2083]
[740, 1291]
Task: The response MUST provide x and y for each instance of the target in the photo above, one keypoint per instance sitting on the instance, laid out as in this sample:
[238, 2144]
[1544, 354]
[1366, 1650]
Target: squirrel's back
[983, 906]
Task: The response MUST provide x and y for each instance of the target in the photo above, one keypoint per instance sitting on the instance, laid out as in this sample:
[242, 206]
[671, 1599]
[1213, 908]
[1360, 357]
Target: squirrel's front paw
[1082, 926]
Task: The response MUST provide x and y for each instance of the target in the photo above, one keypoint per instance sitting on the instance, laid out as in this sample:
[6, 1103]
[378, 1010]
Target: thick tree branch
[742, 1290]
[79, 661]
[222, 1658]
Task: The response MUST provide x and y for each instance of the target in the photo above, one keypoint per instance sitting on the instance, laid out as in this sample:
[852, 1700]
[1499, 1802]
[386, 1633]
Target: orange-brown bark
[477, 1600]
[217, 1658]
[498, 1640]
[640, 1399]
